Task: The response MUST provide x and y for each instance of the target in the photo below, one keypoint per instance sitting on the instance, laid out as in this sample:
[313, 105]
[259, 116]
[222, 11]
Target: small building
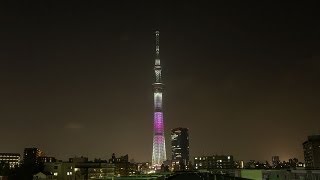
[43, 176]
[60, 170]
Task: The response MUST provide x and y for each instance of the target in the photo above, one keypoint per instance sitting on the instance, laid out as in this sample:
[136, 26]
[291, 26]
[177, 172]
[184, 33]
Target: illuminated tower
[159, 147]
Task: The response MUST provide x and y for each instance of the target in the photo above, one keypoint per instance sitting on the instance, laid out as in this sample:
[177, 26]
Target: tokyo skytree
[159, 147]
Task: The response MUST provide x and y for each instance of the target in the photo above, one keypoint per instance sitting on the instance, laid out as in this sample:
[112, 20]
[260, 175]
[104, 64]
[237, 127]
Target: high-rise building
[31, 156]
[159, 147]
[275, 161]
[180, 148]
[13, 159]
[311, 149]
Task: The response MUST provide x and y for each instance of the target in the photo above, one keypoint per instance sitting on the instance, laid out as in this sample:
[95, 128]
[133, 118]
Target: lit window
[55, 174]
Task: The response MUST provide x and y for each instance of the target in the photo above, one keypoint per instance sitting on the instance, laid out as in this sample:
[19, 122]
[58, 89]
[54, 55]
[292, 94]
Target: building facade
[97, 169]
[180, 148]
[159, 147]
[311, 150]
[214, 162]
[272, 174]
[60, 170]
[101, 171]
[12, 159]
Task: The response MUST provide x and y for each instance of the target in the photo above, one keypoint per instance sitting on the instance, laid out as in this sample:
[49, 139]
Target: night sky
[76, 78]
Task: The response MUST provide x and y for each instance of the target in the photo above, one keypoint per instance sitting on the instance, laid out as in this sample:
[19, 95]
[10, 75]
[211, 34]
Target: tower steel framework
[159, 147]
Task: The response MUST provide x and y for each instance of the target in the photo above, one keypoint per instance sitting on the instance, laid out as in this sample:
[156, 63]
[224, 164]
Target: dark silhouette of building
[275, 161]
[31, 155]
[78, 159]
[293, 163]
[311, 149]
[30, 164]
[180, 148]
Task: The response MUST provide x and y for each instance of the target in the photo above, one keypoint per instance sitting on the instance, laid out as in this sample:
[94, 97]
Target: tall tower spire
[159, 147]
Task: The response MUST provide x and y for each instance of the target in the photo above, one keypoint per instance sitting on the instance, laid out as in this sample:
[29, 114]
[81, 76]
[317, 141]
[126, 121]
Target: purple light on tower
[158, 122]
[159, 147]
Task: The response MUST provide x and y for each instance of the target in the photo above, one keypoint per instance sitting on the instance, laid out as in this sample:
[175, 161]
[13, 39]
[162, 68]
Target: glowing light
[157, 100]
[151, 172]
[157, 62]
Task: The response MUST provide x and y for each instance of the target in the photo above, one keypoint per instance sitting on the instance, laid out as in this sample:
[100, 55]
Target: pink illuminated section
[158, 123]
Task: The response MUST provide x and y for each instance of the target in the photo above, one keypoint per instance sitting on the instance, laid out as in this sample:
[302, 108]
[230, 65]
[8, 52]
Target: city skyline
[76, 79]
